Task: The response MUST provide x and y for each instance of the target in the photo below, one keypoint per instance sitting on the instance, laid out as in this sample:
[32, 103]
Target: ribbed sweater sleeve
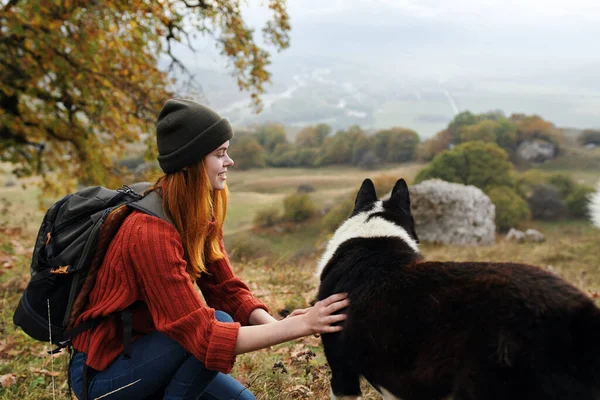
[174, 303]
[223, 290]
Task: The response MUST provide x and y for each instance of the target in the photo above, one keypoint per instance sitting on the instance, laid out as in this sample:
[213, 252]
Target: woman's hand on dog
[321, 317]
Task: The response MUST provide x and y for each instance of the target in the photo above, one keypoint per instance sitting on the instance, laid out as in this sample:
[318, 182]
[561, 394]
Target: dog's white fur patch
[359, 227]
[594, 207]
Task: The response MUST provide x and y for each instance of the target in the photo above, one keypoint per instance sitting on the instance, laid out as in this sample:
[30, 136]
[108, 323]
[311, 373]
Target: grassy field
[283, 277]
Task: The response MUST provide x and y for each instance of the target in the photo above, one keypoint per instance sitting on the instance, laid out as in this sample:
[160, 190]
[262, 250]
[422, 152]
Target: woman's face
[216, 164]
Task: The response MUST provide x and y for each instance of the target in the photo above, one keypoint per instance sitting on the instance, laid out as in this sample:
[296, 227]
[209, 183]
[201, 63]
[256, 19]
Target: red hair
[198, 212]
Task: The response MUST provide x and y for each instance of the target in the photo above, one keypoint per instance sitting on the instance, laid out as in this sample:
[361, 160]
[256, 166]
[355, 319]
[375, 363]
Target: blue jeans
[158, 361]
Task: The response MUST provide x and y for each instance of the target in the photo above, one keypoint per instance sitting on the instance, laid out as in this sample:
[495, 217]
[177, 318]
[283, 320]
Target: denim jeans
[158, 361]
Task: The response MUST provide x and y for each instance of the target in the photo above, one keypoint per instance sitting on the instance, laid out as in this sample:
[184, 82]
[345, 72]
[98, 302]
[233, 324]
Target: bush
[578, 201]
[590, 136]
[472, 163]
[337, 215]
[267, 217]
[298, 207]
[511, 209]
[564, 183]
[528, 180]
[545, 203]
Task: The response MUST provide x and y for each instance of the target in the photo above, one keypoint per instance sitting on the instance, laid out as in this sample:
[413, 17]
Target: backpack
[69, 249]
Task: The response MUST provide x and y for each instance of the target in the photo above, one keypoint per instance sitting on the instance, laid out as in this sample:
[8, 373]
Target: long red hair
[198, 212]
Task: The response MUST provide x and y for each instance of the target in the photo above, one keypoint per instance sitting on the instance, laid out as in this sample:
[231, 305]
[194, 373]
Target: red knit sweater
[144, 263]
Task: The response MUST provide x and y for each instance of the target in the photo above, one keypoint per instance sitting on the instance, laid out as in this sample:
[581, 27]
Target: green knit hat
[186, 132]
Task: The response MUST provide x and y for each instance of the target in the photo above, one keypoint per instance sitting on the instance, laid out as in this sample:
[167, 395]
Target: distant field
[583, 164]
[258, 189]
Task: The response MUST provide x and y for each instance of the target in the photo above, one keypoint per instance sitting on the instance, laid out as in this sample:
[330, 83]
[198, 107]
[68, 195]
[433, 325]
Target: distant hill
[309, 90]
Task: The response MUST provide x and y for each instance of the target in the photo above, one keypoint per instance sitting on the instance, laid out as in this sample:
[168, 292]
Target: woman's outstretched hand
[321, 317]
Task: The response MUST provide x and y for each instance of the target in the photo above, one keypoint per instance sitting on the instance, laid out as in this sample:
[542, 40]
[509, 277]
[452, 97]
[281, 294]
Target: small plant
[298, 207]
[267, 217]
[511, 209]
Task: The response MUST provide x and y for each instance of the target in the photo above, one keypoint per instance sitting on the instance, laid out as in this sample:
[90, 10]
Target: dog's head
[373, 218]
[396, 209]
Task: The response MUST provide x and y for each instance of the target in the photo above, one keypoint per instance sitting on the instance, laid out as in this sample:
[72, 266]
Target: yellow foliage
[79, 79]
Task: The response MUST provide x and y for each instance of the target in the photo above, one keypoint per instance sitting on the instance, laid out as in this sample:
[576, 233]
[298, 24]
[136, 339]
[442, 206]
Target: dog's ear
[400, 195]
[366, 194]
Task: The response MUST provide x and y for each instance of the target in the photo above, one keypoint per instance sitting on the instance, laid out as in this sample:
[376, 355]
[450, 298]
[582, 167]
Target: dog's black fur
[459, 330]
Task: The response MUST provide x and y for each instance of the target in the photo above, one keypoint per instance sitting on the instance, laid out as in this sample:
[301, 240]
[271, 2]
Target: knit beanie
[186, 132]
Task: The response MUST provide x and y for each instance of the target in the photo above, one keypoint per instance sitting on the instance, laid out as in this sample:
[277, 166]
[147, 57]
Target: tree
[590, 136]
[344, 147]
[247, 153]
[79, 79]
[270, 136]
[500, 131]
[395, 144]
[484, 165]
[313, 136]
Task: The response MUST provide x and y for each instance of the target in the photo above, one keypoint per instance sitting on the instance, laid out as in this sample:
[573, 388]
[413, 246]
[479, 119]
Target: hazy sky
[563, 32]
[547, 49]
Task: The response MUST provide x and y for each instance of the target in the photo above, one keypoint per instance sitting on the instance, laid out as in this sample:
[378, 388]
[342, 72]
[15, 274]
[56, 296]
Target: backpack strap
[151, 204]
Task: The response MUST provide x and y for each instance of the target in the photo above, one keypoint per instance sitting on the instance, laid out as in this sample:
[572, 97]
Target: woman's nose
[229, 161]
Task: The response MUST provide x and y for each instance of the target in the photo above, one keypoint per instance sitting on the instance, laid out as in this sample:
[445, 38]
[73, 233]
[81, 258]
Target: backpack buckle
[60, 270]
[128, 190]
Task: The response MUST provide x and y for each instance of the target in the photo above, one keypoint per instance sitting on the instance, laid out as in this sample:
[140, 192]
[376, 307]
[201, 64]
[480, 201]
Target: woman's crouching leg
[193, 381]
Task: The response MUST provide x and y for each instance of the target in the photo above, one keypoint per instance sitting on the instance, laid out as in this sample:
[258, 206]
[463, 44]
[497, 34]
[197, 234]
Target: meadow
[278, 265]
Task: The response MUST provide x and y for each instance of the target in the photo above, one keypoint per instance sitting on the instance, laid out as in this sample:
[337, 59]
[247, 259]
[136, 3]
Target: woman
[180, 341]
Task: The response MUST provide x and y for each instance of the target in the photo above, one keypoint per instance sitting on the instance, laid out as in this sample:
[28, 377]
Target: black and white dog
[450, 330]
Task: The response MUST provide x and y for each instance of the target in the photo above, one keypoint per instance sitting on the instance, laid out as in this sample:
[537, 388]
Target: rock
[515, 235]
[451, 213]
[536, 151]
[305, 188]
[534, 236]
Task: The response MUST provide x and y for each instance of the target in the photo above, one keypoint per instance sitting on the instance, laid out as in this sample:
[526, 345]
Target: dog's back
[435, 330]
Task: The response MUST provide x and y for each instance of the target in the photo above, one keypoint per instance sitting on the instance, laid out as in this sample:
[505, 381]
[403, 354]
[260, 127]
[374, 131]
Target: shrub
[545, 203]
[528, 180]
[511, 209]
[578, 201]
[590, 136]
[564, 183]
[337, 215]
[298, 207]
[267, 217]
[472, 163]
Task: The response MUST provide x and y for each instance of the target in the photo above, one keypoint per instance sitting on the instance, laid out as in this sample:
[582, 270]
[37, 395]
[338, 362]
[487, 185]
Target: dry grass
[284, 279]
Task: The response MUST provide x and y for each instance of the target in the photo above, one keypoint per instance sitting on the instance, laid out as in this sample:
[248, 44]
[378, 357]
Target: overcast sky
[559, 32]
